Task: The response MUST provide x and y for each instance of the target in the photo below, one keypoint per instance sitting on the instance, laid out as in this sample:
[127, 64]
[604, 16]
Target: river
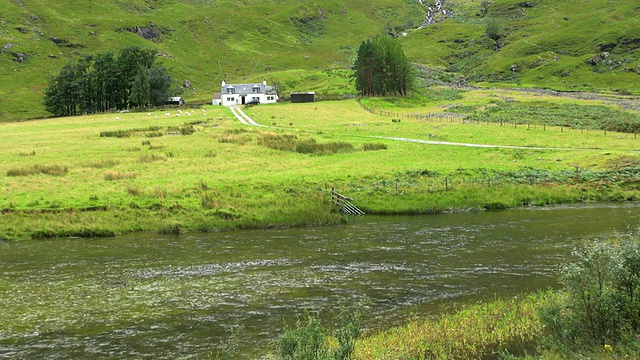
[167, 296]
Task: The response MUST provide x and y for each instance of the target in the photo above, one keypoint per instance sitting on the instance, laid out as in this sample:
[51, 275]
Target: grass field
[115, 173]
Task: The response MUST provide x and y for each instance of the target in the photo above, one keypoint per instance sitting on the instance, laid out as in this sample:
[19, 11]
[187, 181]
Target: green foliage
[602, 297]
[310, 340]
[382, 68]
[97, 83]
[495, 31]
[478, 331]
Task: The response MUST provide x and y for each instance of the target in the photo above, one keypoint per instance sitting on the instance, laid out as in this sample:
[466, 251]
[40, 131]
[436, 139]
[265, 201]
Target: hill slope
[564, 45]
[202, 41]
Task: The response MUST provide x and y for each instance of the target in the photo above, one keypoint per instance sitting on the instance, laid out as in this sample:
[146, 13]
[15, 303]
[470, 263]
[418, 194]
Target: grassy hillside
[565, 45]
[308, 46]
[201, 41]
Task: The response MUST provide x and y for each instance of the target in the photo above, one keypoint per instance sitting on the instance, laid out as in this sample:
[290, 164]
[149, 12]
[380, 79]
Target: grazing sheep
[177, 114]
[180, 111]
[156, 116]
[167, 114]
[117, 117]
[148, 114]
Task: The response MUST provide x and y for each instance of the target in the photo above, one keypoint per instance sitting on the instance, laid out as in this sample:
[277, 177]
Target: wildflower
[608, 347]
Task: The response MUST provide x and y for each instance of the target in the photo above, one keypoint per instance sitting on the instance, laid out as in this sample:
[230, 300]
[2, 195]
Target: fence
[464, 119]
[344, 204]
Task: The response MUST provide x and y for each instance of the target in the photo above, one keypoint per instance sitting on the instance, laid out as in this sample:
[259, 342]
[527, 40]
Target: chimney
[224, 83]
[264, 82]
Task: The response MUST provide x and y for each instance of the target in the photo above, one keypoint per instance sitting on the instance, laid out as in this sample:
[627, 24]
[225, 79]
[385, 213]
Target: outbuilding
[175, 100]
[302, 97]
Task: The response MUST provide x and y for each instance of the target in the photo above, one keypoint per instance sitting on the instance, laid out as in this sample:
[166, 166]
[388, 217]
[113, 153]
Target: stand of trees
[382, 68]
[97, 83]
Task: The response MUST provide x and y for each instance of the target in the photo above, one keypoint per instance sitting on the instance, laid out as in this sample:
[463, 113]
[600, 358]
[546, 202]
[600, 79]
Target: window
[270, 98]
[230, 98]
[231, 90]
[256, 89]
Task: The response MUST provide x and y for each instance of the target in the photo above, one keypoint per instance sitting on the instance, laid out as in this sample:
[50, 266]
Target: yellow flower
[608, 347]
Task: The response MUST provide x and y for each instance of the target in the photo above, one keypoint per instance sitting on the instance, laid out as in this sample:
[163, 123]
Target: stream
[151, 296]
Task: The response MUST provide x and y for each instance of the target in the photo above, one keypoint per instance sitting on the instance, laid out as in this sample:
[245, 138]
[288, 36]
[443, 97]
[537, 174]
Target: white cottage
[240, 94]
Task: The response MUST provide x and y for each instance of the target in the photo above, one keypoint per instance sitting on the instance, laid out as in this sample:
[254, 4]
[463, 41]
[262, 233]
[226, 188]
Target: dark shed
[301, 97]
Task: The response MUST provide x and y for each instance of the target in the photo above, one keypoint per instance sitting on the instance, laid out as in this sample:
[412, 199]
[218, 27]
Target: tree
[97, 83]
[382, 68]
[495, 32]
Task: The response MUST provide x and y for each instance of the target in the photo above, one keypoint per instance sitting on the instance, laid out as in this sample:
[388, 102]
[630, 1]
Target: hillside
[201, 41]
[565, 45]
[578, 45]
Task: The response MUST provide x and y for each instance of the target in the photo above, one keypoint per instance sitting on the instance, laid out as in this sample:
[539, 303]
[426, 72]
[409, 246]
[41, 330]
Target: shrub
[309, 341]
[601, 305]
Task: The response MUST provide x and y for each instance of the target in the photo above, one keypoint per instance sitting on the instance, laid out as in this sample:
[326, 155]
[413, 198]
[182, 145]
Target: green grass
[476, 331]
[304, 46]
[224, 175]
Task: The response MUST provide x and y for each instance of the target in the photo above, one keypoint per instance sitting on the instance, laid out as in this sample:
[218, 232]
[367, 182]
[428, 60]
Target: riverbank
[108, 175]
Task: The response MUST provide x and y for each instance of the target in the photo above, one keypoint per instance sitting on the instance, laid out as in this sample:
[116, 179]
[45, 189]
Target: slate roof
[246, 89]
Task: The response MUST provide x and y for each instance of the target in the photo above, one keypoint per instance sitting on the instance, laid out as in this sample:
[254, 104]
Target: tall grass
[471, 332]
[53, 170]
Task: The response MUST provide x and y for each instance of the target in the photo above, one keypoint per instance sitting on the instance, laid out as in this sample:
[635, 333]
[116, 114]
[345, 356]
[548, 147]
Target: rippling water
[164, 296]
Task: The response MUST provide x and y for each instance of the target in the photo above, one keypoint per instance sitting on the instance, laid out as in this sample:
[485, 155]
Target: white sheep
[117, 117]
[167, 114]
[180, 111]
[177, 114]
[148, 114]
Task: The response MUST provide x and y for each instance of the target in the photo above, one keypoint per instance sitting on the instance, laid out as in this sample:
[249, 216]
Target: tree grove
[97, 83]
[382, 68]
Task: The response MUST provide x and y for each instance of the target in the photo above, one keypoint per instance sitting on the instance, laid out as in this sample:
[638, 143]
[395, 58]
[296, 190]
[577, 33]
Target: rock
[6, 47]
[19, 57]
[187, 84]
[22, 30]
[514, 68]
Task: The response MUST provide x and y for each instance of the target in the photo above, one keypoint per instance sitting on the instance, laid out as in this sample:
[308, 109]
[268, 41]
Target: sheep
[117, 117]
[148, 114]
[180, 111]
[177, 114]
[167, 114]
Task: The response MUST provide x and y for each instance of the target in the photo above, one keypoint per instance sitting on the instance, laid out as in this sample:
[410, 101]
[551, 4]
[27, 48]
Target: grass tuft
[53, 170]
[148, 158]
[114, 175]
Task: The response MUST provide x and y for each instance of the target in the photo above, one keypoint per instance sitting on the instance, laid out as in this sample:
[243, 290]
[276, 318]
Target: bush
[309, 342]
[602, 301]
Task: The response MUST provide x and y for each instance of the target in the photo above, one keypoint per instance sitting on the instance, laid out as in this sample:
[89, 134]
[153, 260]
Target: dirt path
[246, 120]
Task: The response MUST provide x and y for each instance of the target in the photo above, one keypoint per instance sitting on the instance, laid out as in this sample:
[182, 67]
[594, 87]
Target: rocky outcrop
[151, 32]
[435, 12]
[19, 57]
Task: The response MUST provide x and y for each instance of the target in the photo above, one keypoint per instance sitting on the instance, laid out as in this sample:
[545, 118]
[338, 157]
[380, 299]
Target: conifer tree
[382, 68]
[97, 83]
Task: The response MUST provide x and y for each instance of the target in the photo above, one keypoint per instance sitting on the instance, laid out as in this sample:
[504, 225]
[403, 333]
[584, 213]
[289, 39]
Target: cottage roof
[246, 89]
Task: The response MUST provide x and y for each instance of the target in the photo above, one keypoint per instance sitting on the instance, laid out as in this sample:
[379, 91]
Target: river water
[170, 296]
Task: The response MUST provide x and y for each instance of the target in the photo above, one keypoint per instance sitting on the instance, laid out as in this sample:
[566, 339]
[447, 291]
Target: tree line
[104, 81]
[382, 68]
